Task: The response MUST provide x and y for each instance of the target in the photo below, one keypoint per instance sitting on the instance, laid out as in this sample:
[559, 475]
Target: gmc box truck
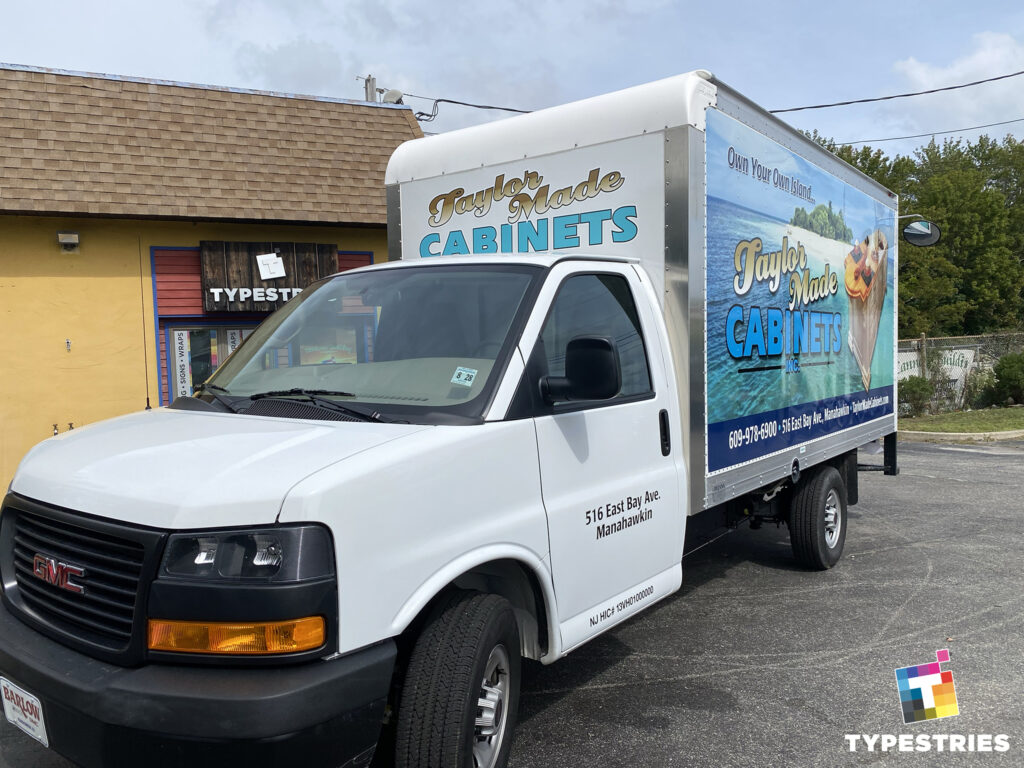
[601, 321]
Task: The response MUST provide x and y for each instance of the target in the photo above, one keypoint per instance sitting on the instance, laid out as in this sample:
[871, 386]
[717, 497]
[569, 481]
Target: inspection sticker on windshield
[24, 710]
[464, 376]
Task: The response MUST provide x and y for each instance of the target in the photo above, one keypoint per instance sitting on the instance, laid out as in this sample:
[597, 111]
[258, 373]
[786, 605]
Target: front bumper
[324, 713]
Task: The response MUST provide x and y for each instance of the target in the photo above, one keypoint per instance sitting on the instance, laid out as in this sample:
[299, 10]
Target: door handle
[666, 440]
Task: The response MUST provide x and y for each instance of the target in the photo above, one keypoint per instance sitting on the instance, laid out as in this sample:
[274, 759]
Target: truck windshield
[415, 343]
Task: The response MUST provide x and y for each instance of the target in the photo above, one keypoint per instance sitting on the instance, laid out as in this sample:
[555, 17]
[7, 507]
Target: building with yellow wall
[135, 176]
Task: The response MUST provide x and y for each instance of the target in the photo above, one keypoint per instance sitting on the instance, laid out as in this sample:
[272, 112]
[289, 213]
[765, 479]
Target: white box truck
[603, 320]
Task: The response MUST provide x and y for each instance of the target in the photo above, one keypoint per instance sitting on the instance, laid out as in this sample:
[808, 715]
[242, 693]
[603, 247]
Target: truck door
[611, 494]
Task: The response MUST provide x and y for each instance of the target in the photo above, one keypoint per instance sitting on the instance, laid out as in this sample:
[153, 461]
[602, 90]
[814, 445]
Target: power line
[898, 95]
[932, 133]
[426, 117]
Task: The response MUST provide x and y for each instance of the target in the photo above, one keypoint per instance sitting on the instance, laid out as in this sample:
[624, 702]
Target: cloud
[992, 54]
[242, 18]
[529, 55]
[298, 66]
[520, 54]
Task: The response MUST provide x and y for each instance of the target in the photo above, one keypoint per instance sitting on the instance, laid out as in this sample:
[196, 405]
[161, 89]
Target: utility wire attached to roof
[426, 117]
[898, 95]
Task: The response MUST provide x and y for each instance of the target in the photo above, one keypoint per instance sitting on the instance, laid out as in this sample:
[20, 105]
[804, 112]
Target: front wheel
[458, 704]
[817, 519]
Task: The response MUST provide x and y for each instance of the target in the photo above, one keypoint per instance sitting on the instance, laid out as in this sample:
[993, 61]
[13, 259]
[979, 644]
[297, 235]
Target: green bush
[916, 394]
[1010, 378]
[979, 389]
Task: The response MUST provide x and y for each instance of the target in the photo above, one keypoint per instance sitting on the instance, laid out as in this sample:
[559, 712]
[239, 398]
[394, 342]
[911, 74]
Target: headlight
[277, 554]
[246, 593]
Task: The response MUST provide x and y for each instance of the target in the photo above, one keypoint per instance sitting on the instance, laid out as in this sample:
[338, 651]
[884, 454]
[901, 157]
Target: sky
[529, 55]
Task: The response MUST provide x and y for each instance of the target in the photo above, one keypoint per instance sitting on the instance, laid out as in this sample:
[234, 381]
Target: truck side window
[599, 305]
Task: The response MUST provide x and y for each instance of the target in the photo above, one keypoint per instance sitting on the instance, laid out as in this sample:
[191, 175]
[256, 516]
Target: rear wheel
[461, 692]
[817, 519]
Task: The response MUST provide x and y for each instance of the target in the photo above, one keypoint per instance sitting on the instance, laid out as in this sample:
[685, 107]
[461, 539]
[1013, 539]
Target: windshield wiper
[212, 389]
[318, 397]
[299, 391]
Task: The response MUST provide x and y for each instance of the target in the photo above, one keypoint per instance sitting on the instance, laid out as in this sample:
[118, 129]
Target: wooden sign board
[231, 277]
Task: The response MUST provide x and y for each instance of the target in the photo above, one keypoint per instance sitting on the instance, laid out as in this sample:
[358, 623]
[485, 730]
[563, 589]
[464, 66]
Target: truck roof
[538, 260]
[666, 103]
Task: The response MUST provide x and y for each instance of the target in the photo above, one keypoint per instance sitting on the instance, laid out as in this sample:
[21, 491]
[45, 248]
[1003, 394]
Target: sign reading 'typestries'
[231, 279]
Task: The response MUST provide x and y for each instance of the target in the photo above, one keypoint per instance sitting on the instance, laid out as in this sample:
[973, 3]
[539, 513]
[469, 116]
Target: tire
[466, 655]
[818, 519]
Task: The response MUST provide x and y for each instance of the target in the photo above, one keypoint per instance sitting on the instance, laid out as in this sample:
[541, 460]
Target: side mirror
[592, 372]
[921, 233]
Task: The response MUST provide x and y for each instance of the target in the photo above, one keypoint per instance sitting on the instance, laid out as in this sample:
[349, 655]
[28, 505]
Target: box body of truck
[744, 225]
[604, 322]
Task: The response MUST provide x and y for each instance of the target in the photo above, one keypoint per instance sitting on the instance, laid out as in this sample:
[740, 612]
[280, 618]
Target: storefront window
[195, 353]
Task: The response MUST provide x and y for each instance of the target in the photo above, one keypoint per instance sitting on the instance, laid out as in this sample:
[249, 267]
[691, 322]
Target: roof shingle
[72, 144]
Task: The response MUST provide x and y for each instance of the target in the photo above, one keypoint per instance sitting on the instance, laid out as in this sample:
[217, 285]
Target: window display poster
[195, 356]
[234, 339]
[339, 349]
[182, 364]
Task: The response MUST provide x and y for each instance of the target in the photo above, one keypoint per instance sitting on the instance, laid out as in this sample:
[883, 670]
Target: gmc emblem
[52, 571]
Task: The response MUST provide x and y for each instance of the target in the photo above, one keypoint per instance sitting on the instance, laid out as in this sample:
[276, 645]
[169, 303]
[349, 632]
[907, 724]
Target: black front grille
[105, 608]
[81, 579]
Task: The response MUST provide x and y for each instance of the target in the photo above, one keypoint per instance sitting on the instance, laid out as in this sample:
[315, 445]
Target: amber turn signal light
[237, 638]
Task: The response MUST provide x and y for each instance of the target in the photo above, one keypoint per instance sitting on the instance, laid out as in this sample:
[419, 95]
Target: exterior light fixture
[68, 241]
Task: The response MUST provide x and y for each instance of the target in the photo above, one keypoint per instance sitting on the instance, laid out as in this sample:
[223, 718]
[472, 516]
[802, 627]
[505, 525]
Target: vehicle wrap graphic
[799, 292]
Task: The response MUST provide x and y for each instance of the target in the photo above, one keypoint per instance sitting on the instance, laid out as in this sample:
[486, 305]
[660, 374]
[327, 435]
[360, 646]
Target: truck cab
[504, 432]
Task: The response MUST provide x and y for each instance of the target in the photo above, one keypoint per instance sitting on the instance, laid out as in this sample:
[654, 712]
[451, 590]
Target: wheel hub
[491, 714]
[833, 520]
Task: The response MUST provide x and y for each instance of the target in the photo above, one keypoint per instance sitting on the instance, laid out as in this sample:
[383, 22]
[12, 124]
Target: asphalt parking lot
[758, 663]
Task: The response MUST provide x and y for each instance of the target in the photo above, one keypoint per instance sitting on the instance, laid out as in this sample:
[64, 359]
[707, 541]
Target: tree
[1004, 166]
[971, 281]
[950, 189]
[891, 174]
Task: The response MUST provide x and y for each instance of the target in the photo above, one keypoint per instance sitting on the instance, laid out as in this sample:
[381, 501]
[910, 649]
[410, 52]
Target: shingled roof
[100, 145]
